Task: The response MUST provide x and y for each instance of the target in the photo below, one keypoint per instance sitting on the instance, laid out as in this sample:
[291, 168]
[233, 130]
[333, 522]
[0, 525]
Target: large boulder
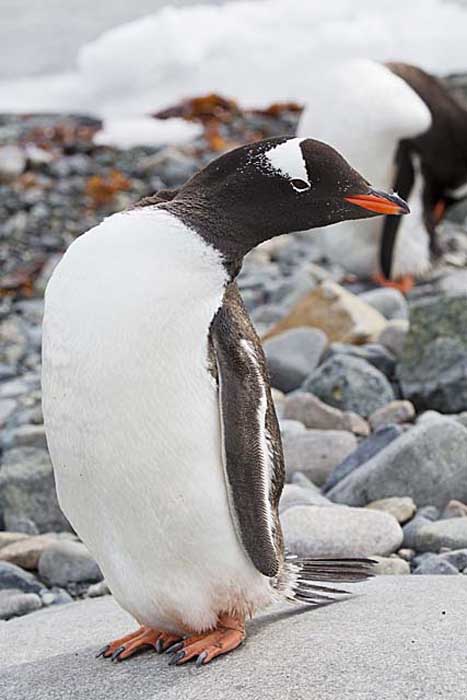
[321, 531]
[27, 490]
[428, 463]
[433, 366]
[350, 384]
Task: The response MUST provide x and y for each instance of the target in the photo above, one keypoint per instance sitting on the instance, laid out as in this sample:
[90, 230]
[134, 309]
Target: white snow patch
[257, 52]
[146, 131]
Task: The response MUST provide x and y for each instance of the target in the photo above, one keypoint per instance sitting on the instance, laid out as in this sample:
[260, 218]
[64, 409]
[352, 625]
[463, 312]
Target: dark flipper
[253, 458]
[403, 184]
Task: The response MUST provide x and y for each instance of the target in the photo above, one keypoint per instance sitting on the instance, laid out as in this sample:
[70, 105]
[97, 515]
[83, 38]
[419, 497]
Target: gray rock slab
[450, 533]
[400, 637]
[428, 463]
[351, 384]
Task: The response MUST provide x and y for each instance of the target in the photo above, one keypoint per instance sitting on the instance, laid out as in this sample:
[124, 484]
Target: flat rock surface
[401, 637]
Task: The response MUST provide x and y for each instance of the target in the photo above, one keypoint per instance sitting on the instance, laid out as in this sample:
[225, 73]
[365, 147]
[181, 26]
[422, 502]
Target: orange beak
[379, 202]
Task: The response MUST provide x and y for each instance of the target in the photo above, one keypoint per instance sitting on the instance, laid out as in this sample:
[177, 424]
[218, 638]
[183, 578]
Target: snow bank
[146, 131]
[257, 52]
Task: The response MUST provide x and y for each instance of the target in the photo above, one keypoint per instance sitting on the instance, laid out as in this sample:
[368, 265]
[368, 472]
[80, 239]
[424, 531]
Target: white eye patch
[287, 159]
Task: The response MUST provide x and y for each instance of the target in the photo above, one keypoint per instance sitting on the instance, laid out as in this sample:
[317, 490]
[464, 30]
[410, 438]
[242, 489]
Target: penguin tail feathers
[298, 580]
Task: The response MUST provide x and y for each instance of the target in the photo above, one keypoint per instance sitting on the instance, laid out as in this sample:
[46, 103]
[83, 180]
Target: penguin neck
[218, 228]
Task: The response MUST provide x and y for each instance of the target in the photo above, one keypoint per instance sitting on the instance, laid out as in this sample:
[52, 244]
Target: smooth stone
[393, 412]
[455, 509]
[434, 565]
[350, 384]
[316, 452]
[96, 590]
[12, 161]
[321, 531]
[456, 557]
[21, 524]
[450, 533]
[390, 303]
[293, 355]
[394, 335]
[12, 576]
[7, 538]
[390, 566]
[402, 508]
[433, 367]
[290, 427]
[341, 315]
[26, 552]
[406, 554]
[295, 495]
[15, 603]
[365, 451]
[66, 562]
[27, 490]
[373, 353]
[426, 463]
[380, 623]
[423, 517]
[314, 413]
[25, 436]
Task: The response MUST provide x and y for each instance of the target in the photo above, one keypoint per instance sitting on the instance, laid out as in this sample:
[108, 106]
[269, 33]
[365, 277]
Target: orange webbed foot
[404, 284]
[227, 636]
[124, 647]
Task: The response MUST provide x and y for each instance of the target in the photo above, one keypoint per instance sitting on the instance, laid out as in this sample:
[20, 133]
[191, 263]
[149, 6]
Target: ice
[257, 52]
[145, 131]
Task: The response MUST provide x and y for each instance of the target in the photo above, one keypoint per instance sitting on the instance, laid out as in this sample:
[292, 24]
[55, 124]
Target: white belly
[133, 422]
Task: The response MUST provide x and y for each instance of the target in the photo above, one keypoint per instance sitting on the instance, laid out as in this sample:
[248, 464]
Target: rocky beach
[370, 386]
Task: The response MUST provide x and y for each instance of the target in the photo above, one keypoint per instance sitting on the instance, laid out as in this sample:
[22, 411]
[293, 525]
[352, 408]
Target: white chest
[132, 416]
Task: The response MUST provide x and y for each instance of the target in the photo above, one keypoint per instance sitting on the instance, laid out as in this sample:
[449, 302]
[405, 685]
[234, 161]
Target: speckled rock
[14, 603]
[316, 452]
[373, 353]
[433, 367]
[455, 509]
[320, 531]
[12, 576]
[432, 565]
[27, 490]
[350, 384]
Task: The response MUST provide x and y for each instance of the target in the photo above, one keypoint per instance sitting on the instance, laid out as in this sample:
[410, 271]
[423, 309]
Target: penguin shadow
[258, 626]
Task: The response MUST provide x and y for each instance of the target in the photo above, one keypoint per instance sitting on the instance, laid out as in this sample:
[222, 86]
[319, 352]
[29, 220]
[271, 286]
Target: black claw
[176, 658]
[117, 653]
[160, 646]
[102, 651]
[174, 647]
[200, 659]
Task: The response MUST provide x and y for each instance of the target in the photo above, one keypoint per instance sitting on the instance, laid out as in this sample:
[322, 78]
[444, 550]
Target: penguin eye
[300, 185]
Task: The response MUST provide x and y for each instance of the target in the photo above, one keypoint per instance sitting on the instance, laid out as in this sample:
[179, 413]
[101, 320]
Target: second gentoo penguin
[157, 404]
[401, 127]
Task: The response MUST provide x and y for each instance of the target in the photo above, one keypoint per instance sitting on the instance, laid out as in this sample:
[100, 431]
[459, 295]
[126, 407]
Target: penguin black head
[277, 186]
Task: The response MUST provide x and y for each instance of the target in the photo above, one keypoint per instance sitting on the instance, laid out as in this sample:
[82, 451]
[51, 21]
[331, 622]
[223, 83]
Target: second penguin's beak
[379, 202]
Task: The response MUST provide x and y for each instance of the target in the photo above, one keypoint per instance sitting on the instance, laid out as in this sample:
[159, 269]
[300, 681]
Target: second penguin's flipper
[403, 184]
[252, 451]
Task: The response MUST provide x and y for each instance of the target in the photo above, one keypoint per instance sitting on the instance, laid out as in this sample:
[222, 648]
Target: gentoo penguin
[399, 126]
[158, 411]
